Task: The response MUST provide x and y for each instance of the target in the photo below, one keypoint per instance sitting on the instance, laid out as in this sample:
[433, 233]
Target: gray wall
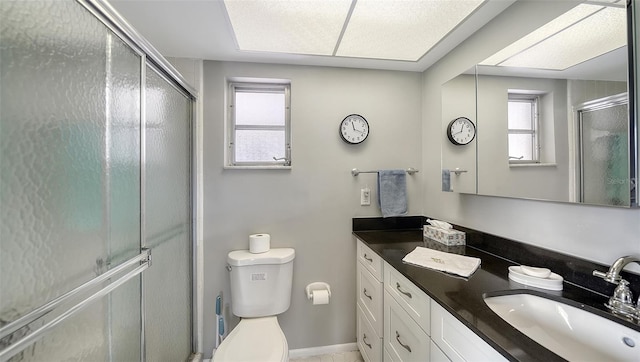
[596, 233]
[310, 206]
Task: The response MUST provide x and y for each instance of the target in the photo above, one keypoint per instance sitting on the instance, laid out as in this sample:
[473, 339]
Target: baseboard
[316, 351]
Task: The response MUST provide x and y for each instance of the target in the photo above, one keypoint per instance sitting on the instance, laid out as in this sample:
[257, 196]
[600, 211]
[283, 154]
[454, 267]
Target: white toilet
[260, 290]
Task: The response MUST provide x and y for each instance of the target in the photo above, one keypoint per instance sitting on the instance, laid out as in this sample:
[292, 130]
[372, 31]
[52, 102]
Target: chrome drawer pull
[364, 291]
[364, 340]
[402, 291]
[405, 346]
[367, 259]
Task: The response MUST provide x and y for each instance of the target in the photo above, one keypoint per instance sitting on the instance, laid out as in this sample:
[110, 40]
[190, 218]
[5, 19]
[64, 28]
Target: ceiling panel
[401, 30]
[201, 29]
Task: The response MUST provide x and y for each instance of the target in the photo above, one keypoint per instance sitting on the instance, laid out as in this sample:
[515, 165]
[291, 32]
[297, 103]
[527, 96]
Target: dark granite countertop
[464, 298]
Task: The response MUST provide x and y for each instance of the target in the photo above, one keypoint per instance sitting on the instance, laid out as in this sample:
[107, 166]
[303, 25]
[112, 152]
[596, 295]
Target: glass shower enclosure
[96, 220]
[603, 151]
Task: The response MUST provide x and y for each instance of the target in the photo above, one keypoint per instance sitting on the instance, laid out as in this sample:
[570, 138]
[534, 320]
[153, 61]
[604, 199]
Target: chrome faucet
[622, 300]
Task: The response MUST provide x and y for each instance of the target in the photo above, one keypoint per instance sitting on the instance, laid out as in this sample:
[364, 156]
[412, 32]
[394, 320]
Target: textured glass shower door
[167, 220]
[604, 154]
[69, 178]
[95, 174]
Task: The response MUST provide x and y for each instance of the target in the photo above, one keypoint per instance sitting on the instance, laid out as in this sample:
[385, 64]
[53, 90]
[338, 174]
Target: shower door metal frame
[115, 22]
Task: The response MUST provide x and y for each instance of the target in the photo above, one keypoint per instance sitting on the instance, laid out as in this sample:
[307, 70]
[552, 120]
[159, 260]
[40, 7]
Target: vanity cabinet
[369, 277]
[397, 321]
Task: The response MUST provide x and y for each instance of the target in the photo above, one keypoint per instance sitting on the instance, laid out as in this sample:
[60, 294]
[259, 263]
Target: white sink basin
[572, 333]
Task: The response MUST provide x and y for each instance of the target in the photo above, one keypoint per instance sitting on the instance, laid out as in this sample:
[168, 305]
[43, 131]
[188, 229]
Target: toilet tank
[260, 283]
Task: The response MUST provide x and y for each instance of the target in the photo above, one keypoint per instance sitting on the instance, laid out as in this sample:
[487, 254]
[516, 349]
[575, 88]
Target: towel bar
[356, 172]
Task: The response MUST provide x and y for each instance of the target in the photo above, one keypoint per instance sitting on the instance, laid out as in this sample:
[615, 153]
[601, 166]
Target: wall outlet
[365, 197]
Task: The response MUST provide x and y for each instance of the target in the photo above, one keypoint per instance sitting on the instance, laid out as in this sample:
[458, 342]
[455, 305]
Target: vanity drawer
[404, 340]
[371, 260]
[413, 300]
[457, 341]
[370, 297]
[369, 342]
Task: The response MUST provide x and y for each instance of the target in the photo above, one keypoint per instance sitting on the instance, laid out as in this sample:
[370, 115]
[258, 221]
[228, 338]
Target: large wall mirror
[553, 113]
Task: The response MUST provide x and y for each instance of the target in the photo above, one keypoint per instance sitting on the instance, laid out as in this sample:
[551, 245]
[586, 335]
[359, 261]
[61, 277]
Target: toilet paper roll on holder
[317, 286]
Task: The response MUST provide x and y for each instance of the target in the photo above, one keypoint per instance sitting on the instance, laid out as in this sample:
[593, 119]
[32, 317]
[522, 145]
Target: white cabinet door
[436, 354]
[404, 340]
[413, 300]
[457, 341]
[369, 343]
[387, 356]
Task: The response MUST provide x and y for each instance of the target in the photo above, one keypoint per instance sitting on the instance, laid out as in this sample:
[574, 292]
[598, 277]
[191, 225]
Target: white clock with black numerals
[461, 131]
[354, 129]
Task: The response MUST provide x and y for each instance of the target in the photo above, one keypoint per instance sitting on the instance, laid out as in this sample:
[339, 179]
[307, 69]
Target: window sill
[255, 167]
[516, 165]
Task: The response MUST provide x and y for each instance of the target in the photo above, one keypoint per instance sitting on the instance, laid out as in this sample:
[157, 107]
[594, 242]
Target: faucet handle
[622, 293]
[598, 273]
[608, 276]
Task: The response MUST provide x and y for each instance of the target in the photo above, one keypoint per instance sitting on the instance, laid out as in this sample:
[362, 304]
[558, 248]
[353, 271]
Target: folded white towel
[447, 262]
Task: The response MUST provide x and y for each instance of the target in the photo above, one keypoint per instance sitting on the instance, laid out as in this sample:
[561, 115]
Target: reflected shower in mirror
[553, 111]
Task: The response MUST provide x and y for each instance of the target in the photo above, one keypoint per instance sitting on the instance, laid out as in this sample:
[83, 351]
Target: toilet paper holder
[317, 286]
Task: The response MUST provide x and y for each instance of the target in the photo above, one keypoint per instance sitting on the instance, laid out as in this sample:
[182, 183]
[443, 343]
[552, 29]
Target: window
[523, 113]
[259, 125]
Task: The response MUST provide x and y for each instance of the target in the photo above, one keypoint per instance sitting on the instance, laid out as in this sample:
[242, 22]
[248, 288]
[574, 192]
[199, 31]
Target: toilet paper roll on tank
[259, 243]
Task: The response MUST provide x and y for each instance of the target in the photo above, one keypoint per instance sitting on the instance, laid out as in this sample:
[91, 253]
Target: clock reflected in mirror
[354, 129]
[461, 131]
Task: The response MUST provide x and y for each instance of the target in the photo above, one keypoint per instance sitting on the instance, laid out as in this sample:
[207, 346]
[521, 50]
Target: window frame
[257, 86]
[534, 131]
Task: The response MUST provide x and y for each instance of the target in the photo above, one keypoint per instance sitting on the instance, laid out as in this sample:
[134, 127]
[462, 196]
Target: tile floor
[353, 356]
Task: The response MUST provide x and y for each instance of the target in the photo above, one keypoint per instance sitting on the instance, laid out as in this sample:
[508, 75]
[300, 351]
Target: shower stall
[603, 152]
[96, 210]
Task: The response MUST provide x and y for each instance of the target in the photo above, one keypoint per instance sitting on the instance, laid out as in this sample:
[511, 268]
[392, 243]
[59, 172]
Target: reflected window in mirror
[522, 117]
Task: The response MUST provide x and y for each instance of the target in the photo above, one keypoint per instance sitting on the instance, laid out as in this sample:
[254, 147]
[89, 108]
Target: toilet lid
[254, 340]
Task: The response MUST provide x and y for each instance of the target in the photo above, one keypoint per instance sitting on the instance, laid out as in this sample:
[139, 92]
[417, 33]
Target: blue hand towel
[392, 192]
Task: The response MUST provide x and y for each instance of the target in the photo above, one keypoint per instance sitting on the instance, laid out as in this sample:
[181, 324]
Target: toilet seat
[254, 340]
